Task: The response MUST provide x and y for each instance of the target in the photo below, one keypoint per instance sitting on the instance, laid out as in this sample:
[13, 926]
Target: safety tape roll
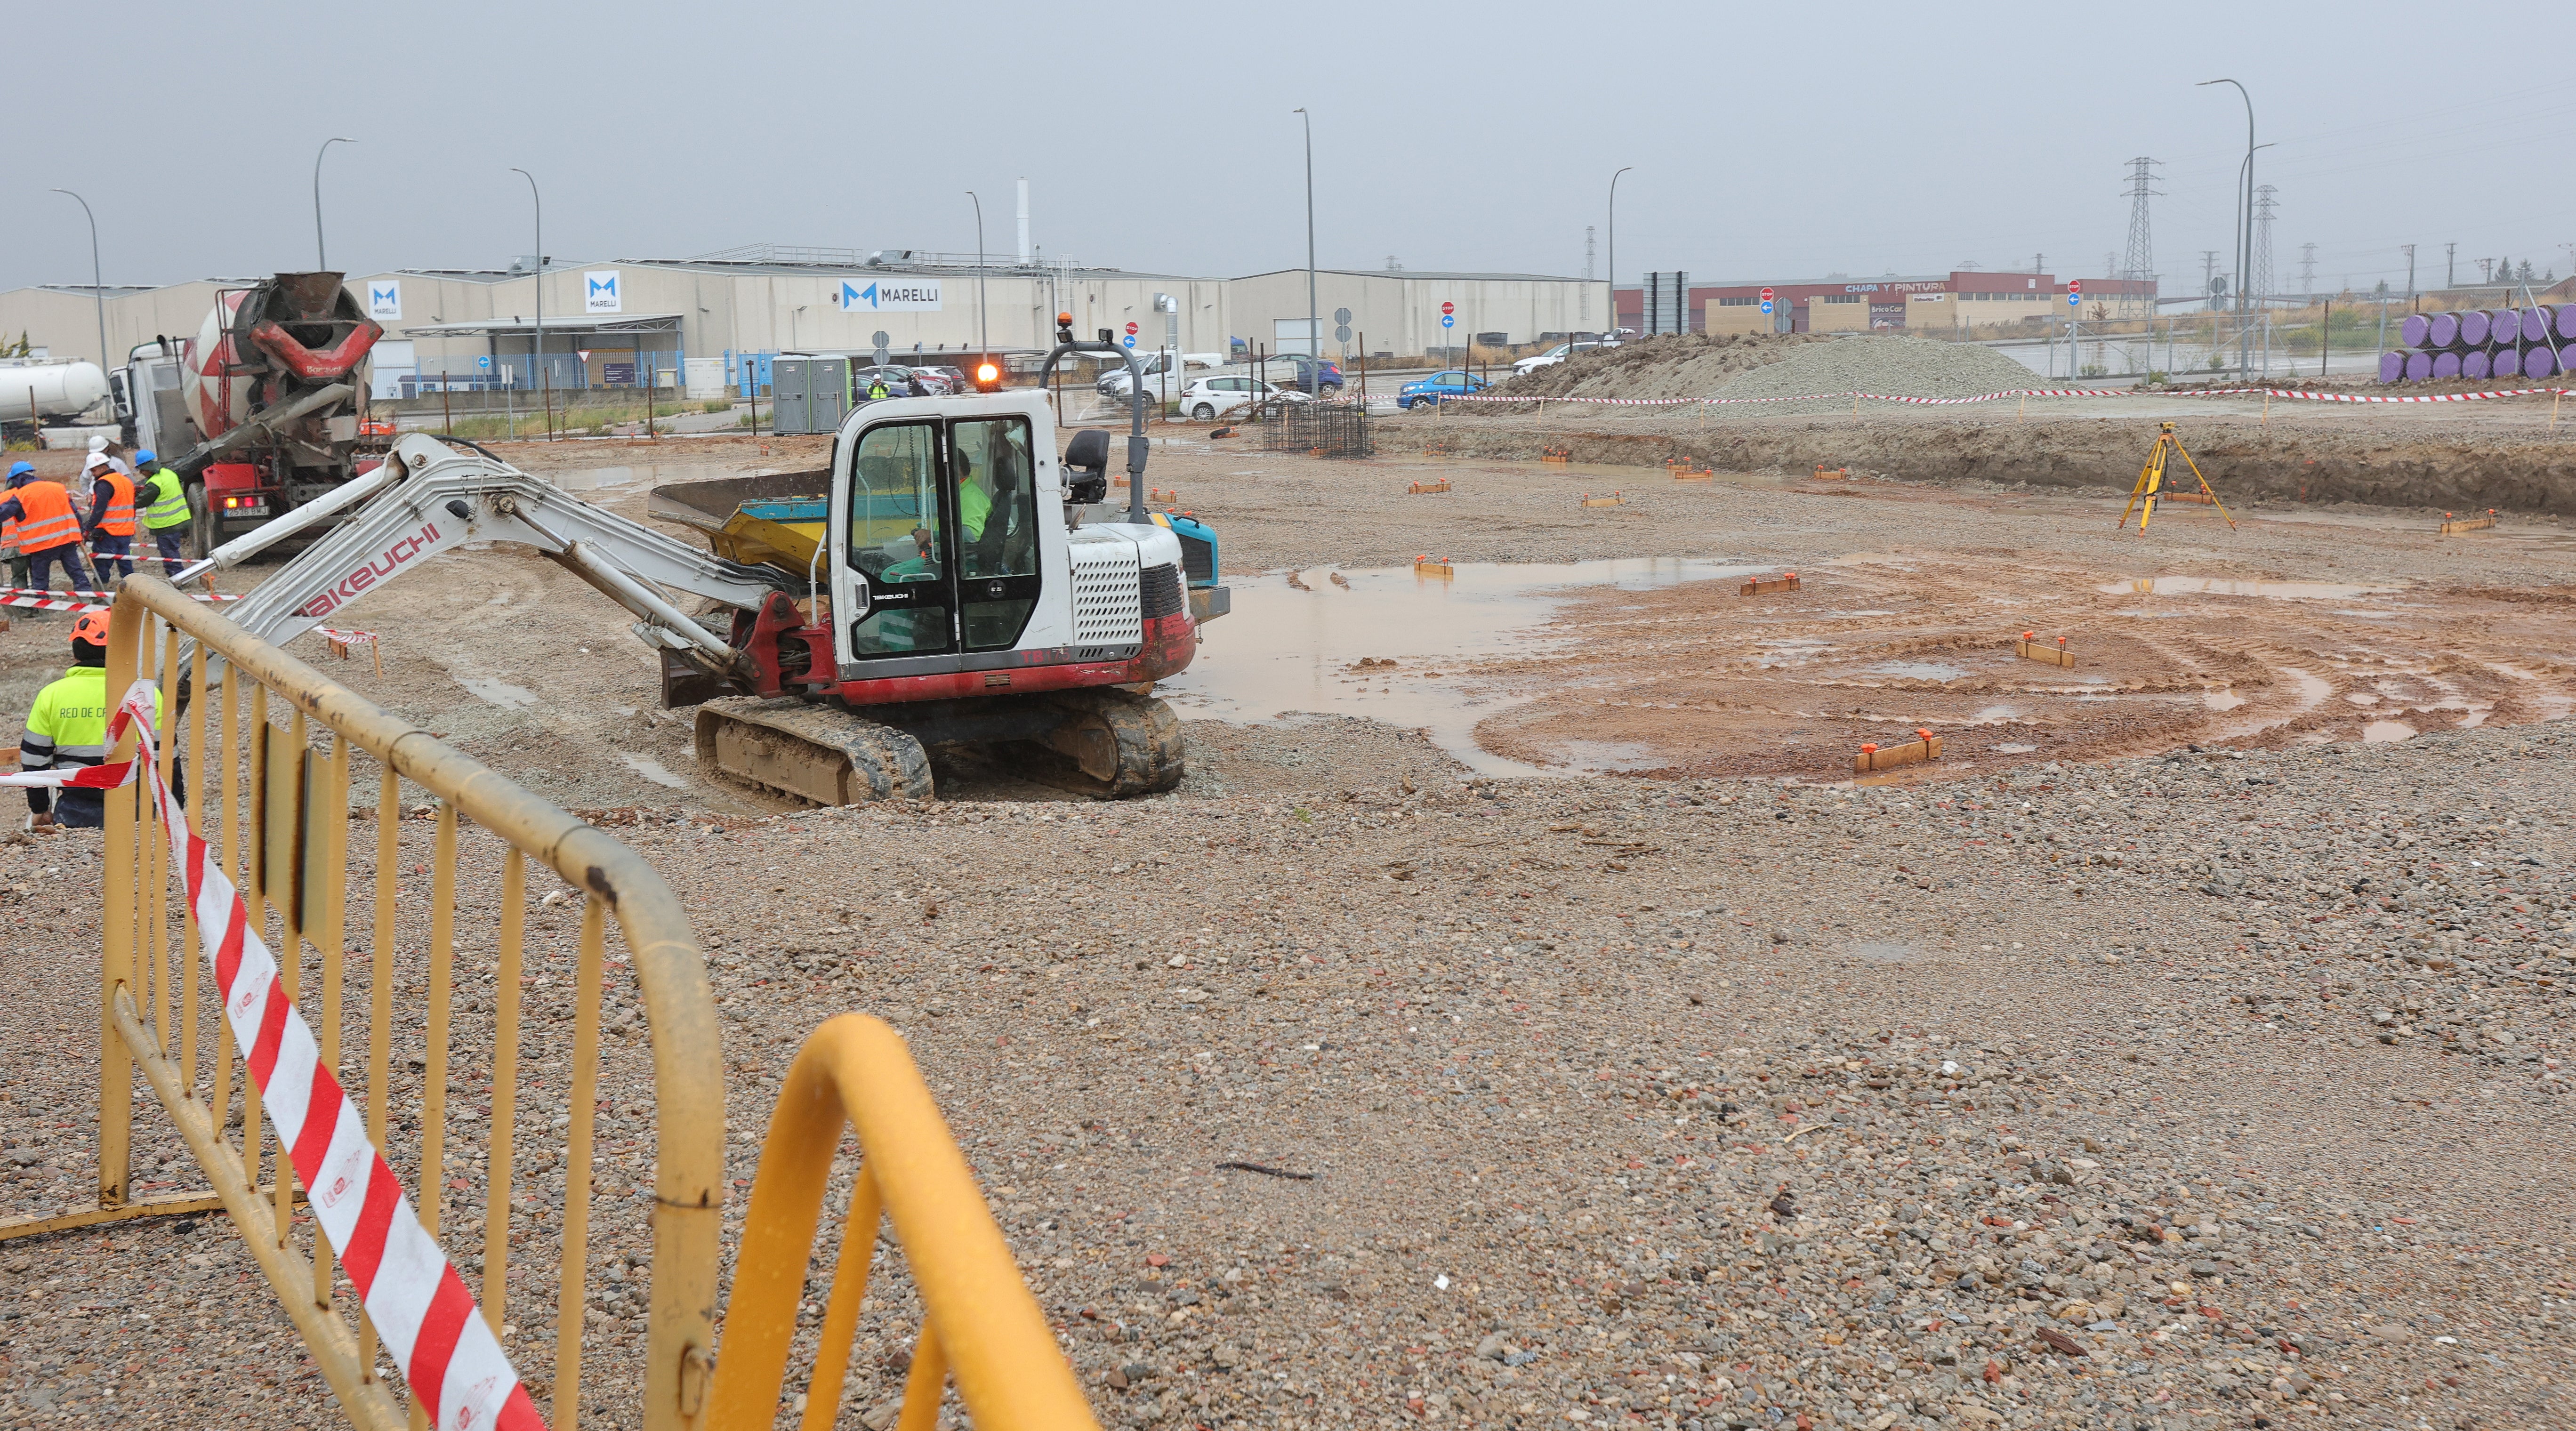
[413, 1295]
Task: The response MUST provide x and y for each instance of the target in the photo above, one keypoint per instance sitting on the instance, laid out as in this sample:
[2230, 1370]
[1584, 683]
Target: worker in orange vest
[110, 527]
[47, 530]
[10, 551]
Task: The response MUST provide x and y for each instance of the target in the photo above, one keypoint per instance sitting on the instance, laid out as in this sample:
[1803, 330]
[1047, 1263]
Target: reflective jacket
[46, 517]
[68, 727]
[169, 500]
[113, 508]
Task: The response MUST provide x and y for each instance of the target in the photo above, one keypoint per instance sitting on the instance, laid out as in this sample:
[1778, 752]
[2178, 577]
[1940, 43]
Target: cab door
[894, 597]
[992, 489]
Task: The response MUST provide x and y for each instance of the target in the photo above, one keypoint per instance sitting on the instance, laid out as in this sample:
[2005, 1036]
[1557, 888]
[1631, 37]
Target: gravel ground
[1668, 365]
[2207, 1089]
[2209, 1086]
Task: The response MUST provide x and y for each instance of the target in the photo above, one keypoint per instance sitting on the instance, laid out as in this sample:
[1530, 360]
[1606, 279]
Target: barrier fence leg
[116, 964]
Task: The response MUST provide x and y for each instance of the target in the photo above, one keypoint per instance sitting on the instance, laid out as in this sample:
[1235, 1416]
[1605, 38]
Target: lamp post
[537, 342]
[1614, 253]
[319, 261]
[97, 286]
[2245, 228]
[983, 333]
[1314, 324]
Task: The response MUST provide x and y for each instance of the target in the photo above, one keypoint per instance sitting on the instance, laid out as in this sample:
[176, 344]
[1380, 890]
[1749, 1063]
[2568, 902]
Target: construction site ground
[2183, 1048]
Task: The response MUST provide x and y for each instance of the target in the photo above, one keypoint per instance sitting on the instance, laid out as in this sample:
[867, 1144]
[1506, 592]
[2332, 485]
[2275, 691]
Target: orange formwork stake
[1764, 585]
[1615, 499]
[1924, 746]
[2030, 649]
[2453, 527]
[1420, 488]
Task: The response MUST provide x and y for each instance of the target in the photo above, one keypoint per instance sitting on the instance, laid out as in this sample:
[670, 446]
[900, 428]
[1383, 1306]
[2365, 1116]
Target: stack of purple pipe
[2484, 345]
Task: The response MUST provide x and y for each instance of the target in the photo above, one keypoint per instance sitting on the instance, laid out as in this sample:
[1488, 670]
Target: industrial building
[708, 324]
[1962, 302]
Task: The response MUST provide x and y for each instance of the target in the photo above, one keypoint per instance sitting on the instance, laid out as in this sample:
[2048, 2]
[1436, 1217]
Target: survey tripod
[2151, 481]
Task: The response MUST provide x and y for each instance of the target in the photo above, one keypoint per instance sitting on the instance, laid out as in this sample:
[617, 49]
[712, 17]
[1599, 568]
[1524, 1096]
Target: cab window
[895, 541]
[997, 528]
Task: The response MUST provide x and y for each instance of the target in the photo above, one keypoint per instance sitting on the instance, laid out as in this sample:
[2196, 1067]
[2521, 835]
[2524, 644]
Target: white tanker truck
[260, 413]
[46, 394]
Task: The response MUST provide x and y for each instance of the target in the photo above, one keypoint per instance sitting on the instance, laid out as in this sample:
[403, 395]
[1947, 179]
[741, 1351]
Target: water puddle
[2217, 586]
[1919, 670]
[652, 770]
[500, 693]
[1284, 651]
[2015, 749]
[2221, 700]
[2381, 732]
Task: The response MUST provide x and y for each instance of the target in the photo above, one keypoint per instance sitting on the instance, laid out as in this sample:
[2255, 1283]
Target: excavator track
[814, 752]
[1117, 742]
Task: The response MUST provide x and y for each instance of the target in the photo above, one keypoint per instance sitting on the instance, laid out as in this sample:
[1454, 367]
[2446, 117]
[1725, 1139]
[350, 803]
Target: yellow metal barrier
[979, 1320]
[272, 751]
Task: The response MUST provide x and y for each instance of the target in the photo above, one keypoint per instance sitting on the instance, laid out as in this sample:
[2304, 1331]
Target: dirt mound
[1671, 365]
[1894, 365]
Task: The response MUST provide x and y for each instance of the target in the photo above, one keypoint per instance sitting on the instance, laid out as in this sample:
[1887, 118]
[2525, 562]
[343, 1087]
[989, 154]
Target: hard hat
[147, 455]
[91, 627]
[20, 469]
[97, 459]
[98, 442]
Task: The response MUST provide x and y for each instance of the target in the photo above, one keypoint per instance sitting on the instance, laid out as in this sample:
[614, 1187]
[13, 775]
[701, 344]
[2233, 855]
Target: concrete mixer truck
[260, 413]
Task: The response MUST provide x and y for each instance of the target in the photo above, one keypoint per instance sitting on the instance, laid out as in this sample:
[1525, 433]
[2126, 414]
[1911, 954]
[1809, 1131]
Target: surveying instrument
[2152, 482]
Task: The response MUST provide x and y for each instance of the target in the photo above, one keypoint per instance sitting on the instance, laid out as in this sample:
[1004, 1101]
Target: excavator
[949, 579]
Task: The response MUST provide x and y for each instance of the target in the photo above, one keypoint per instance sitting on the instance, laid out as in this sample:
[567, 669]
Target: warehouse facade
[1963, 302]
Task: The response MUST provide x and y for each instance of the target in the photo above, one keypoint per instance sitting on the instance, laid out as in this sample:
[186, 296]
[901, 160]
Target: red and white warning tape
[39, 599]
[346, 638]
[1987, 397]
[417, 1301]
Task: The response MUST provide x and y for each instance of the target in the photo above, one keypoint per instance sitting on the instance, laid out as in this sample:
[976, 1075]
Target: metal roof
[1429, 273]
[554, 323]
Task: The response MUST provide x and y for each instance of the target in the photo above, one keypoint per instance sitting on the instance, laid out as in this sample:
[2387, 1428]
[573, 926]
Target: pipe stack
[2484, 344]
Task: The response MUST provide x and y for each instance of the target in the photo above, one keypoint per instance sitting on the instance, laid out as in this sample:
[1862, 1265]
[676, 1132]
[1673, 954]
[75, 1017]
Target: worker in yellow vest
[47, 531]
[110, 527]
[165, 507]
[67, 729]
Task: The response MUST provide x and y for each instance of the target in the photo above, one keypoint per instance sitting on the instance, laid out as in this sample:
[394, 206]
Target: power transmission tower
[2260, 280]
[2209, 276]
[2141, 262]
[2451, 265]
[2307, 270]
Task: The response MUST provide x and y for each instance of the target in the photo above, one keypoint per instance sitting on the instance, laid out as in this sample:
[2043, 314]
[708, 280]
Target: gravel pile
[1895, 365]
[1671, 365]
[2167, 1093]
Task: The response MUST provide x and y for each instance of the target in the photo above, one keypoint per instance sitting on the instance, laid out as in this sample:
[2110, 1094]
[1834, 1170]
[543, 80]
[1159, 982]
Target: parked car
[953, 377]
[1208, 399]
[1453, 382]
[1114, 381]
[1296, 370]
[1551, 357]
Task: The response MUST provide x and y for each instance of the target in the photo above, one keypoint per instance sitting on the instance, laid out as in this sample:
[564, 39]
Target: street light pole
[97, 286]
[319, 261]
[983, 334]
[1314, 315]
[1614, 253]
[537, 344]
[2245, 232]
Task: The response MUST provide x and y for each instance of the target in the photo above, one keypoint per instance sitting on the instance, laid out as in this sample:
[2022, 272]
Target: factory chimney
[1024, 221]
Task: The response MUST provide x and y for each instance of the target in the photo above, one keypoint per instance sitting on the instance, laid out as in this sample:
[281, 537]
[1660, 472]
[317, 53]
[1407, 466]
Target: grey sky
[1769, 141]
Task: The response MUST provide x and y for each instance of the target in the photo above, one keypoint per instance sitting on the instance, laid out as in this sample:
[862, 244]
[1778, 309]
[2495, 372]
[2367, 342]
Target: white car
[1211, 398]
[1551, 357]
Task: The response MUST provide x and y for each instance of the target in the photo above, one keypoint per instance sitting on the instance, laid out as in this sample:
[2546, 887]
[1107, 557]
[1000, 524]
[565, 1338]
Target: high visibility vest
[118, 520]
[9, 536]
[169, 501]
[49, 522]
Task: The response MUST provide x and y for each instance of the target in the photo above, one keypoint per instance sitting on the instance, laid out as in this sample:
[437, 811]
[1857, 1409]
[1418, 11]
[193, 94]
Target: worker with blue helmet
[9, 550]
[165, 507]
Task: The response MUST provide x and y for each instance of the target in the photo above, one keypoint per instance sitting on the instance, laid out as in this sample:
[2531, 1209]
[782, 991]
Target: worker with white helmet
[110, 524]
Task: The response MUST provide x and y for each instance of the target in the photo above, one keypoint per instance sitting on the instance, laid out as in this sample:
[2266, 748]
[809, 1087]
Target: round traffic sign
[1766, 295]
[1766, 305]
[1448, 322]
[1131, 327]
[2075, 300]
[1448, 307]
[1130, 339]
[1342, 334]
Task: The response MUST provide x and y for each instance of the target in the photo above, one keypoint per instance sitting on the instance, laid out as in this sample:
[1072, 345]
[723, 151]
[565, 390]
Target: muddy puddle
[1401, 646]
[2220, 586]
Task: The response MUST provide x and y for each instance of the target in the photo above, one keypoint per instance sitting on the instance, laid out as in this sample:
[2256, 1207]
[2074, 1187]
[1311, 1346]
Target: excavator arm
[430, 497]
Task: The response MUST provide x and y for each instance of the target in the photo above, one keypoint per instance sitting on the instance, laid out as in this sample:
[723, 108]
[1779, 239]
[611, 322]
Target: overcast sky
[1781, 141]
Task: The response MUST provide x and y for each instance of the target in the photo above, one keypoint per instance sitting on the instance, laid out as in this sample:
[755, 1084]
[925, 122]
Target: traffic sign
[1766, 305]
[1448, 307]
[2075, 293]
[880, 339]
[1130, 339]
[1342, 334]
[1131, 327]
[484, 363]
[1446, 321]
[1342, 315]
[1766, 295]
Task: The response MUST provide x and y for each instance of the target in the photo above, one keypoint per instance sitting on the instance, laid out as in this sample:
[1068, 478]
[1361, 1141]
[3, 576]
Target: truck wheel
[204, 535]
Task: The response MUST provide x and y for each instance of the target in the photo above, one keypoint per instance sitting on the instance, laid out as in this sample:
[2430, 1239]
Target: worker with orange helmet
[110, 525]
[67, 729]
[48, 532]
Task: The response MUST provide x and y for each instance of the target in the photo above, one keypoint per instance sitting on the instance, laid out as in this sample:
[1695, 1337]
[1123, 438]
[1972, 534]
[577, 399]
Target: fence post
[129, 630]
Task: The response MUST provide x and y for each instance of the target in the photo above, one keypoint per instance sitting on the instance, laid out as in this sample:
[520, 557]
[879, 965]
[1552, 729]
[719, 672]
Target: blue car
[1456, 382]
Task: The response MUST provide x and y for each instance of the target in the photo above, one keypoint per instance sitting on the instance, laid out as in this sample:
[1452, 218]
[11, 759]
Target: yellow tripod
[2151, 482]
